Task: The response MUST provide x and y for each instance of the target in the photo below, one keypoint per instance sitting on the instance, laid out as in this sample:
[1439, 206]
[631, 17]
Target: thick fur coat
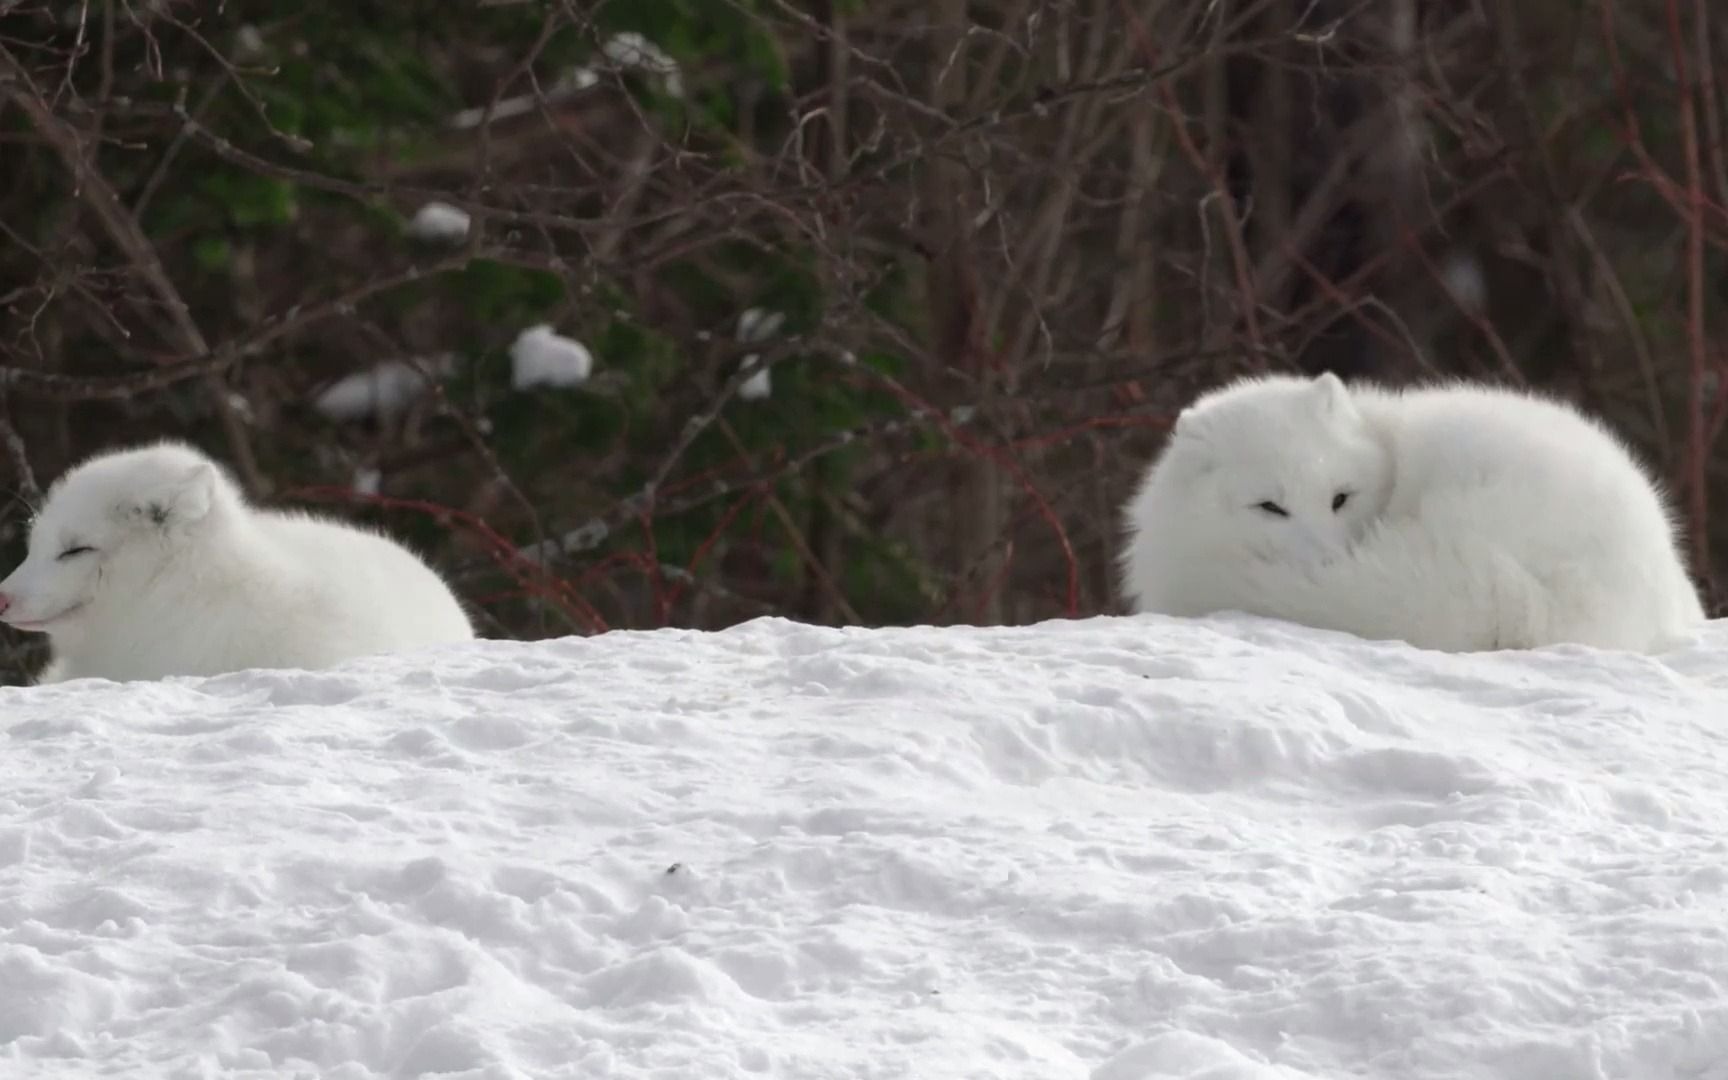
[1457, 517]
[147, 562]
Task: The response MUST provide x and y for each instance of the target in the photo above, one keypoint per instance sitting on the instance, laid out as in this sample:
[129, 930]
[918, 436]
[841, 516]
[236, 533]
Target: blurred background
[682, 312]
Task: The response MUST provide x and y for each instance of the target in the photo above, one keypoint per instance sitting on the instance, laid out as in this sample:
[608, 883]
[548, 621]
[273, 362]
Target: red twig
[1474, 314]
[1012, 464]
[726, 519]
[1719, 408]
[1690, 201]
[1697, 345]
[996, 581]
[1096, 423]
[1347, 304]
[656, 580]
[535, 580]
[602, 567]
[1239, 261]
[1687, 199]
[673, 487]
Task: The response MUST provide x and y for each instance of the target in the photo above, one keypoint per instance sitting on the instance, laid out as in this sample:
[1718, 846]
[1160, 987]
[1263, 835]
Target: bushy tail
[1452, 594]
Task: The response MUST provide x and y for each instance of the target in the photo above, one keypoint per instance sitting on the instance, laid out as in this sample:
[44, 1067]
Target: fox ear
[1188, 425]
[1333, 395]
[1185, 451]
[178, 500]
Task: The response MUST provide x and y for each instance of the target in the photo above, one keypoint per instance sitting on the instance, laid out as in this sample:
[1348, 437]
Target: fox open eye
[1339, 500]
[1273, 508]
[74, 551]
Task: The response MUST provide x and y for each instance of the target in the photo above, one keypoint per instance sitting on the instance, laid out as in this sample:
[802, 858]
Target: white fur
[1476, 518]
[186, 579]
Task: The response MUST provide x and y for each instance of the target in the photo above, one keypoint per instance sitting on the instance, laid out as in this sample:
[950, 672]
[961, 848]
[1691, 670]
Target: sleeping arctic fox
[1452, 517]
[147, 562]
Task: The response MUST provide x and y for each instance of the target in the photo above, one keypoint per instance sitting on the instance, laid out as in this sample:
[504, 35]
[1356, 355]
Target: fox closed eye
[74, 551]
[1273, 508]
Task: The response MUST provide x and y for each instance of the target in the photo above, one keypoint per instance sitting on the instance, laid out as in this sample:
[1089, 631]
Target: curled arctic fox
[147, 562]
[1456, 517]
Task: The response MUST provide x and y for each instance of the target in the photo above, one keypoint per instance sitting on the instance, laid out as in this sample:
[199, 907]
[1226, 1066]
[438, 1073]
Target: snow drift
[1116, 849]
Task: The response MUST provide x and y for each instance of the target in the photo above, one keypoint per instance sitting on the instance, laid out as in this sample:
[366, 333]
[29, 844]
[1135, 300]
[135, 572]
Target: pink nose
[5, 602]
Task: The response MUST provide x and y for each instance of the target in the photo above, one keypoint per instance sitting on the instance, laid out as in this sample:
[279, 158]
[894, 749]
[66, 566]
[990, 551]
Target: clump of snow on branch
[758, 385]
[242, 407]
[439, 221]
[756, 325]
[562, 89]
[627, 51]
[248, 43]
[384, 390]
[1462, 276]
[542, 357]
[631, 50]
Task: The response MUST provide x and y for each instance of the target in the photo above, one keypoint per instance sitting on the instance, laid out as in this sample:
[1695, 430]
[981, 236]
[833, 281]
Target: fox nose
[5, 602]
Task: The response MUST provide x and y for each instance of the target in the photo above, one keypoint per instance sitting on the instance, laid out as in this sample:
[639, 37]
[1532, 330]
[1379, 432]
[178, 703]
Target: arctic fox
[147, 562]
[1457, 517]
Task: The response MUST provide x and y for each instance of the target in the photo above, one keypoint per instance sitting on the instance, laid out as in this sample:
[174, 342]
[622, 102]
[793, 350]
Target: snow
[248, 43]
[566, 86]
[1461, 274]
[439, 222]
[624, 51]
[1111, 849]
[384, 390]
[631, 50]
[756, 325]
[540, 357]
[757, 386]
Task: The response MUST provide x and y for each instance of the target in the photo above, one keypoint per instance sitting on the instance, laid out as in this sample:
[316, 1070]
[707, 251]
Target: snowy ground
[1116, 849]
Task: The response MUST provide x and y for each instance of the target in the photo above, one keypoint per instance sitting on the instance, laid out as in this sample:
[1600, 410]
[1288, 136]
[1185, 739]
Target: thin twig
[123, 228]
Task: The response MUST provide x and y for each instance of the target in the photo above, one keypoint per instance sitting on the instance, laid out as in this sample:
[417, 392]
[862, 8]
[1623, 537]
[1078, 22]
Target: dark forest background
[1003, 241]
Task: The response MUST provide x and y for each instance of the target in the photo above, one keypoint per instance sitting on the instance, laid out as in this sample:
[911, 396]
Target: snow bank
[1116, 849]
